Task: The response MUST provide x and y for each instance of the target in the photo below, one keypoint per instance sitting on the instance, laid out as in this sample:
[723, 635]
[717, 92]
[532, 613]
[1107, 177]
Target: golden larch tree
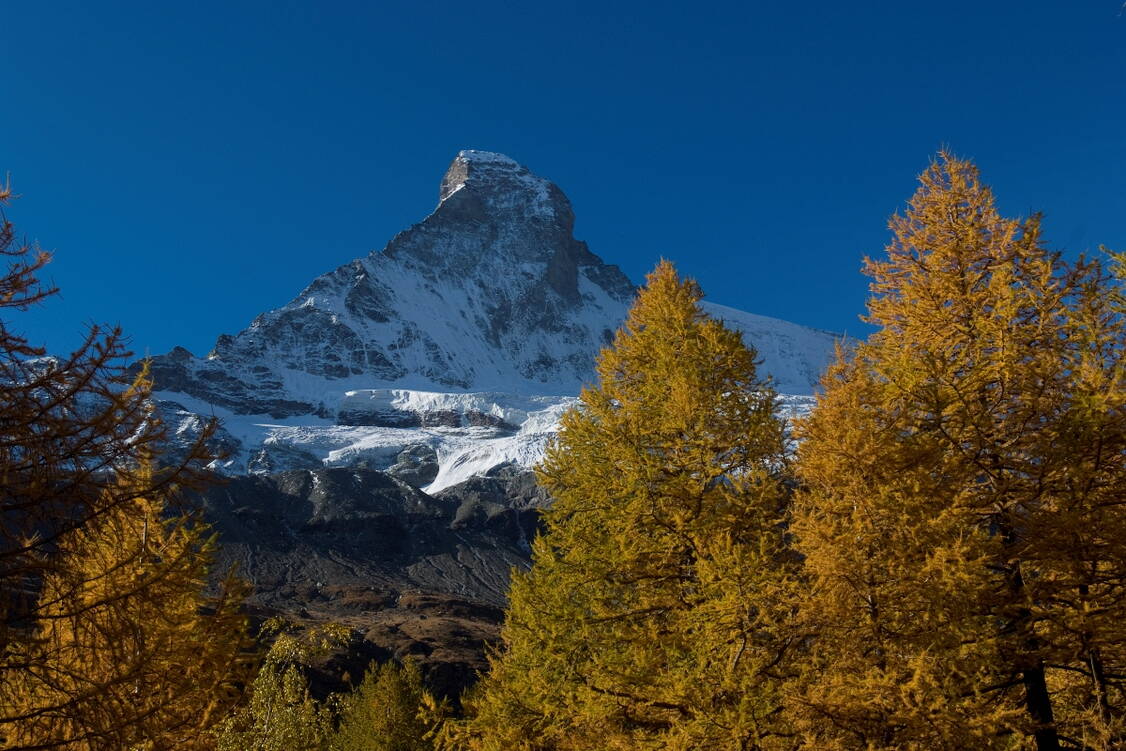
[129, 651]
[960, 517]
[107, 639]
[649, 616]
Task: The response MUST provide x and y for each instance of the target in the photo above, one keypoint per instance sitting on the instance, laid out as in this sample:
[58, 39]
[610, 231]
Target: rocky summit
[378, 430]
[465, 337]
[490, 292]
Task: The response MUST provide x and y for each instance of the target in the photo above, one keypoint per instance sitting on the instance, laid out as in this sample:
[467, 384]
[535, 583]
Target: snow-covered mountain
[449, 352]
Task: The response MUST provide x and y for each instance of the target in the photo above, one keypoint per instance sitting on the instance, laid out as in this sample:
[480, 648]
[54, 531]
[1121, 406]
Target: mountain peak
[504, 183]
[466, 336]
[487, 157]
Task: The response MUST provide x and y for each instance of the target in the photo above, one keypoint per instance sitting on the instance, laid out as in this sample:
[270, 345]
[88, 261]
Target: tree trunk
[1039, 705]
[1037, 700]
[1098, 675]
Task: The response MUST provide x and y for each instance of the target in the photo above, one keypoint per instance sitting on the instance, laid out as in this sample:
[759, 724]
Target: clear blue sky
[193, 164]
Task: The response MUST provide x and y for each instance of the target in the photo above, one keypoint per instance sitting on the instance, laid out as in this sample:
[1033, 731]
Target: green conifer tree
[649, 618]
[383, 712]
[281, 714]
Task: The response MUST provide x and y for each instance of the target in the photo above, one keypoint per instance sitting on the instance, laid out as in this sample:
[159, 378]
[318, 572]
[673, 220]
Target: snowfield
[453, 350]
[463, 451]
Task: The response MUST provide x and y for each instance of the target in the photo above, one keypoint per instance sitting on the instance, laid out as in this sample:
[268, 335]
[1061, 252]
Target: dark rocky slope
[409, 573]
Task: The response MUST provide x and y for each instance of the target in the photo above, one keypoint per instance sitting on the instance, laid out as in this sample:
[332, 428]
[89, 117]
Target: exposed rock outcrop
[410, 573]
[488, 301]
[491, 290]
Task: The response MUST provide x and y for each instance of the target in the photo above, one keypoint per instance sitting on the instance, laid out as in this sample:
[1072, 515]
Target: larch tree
[650, 615]
[71, 431]
[961, 515]
[1118, 268]
[101, 569]
[281, 713]
[129, 652]
[384, 713]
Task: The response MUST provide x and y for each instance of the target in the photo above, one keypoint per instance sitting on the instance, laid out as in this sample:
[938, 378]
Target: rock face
[361, 530]
[416, 465]
[491, 291]
[410, 573]
[468, 334]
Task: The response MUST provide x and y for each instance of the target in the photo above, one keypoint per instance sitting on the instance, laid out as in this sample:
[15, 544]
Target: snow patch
[463, 452]
[486, 157]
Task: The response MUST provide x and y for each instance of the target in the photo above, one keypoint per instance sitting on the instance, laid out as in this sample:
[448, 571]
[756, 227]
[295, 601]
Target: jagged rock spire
[490, 292]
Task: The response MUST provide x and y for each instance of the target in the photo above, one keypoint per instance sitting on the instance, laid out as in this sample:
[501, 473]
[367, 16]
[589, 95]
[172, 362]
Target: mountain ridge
[379, 428]
[489, 300]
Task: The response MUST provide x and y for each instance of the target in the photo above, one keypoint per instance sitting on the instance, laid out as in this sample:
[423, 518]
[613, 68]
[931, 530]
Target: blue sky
[194, 164]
